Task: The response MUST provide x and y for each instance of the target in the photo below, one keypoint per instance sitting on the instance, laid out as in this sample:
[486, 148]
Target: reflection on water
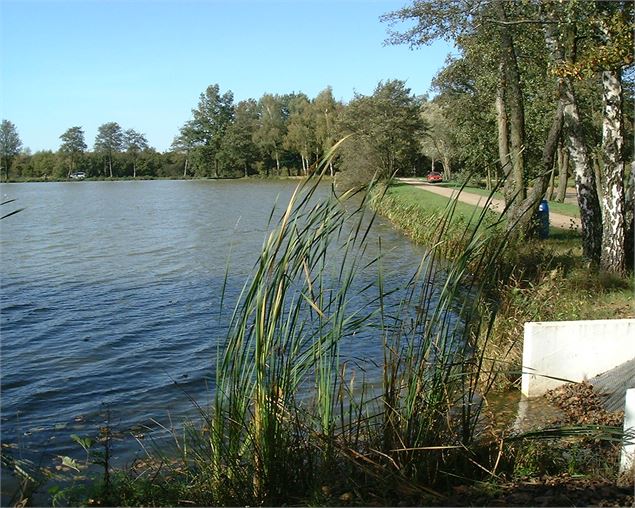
[512, 412]
[111, 300]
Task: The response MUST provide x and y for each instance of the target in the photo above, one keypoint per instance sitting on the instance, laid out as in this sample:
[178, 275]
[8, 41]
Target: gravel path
[555, 219]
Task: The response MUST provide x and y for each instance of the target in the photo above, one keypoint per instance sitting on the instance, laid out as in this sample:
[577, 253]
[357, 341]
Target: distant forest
[275, 135]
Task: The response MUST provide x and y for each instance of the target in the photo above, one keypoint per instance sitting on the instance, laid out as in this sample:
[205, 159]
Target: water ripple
[110, 299]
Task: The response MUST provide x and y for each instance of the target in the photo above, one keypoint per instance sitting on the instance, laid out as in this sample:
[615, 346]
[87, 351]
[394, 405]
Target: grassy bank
[548, 280]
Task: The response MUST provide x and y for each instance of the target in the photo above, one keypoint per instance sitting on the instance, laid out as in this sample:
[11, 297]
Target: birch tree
[387, 128]
[73, 146]
[605, 33]
[300, 136]
[109, 141]
[271, 130]
[238, 148]
[615, 51]
[185, 143]
[134, 143]
[326, 113]
[10, 145]
[210, 119]
[439, 142]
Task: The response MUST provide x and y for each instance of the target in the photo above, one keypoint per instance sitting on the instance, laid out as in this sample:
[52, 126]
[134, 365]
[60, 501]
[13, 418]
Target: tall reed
[288, 414]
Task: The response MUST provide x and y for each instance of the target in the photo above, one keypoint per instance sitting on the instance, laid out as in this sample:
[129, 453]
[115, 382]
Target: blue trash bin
[543, 219]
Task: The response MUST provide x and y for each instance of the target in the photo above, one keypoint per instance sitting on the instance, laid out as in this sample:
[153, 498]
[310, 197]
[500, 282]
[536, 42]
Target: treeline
[116, 153]
[274, 135]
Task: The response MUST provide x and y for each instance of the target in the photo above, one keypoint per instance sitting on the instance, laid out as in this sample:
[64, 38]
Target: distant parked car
[434, 177]
[79, 175]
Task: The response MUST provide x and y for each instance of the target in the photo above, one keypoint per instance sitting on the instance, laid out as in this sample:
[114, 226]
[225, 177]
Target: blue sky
[144, 63]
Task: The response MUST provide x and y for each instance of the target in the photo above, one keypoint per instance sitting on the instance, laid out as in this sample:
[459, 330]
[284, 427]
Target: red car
[434, 177]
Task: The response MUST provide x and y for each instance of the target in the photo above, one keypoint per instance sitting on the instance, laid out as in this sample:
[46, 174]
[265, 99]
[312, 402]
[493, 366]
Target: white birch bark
[612, 257]
[590, 216]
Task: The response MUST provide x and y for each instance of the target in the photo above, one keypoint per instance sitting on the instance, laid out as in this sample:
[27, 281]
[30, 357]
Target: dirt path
[555, 219]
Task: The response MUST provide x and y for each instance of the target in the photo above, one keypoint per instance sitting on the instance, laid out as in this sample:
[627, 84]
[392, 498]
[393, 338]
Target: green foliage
[326, 110]
[109, 138]
[238, 149]
[439, 142]
[605, 34]
[108, 142]
[386, 128]
[206, 130]
[271, 130]
[73, 146]
[301, 130]
[134, 143]
[10, 145]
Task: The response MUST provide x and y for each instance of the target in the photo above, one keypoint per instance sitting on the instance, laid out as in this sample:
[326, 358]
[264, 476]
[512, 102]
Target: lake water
[110, 300]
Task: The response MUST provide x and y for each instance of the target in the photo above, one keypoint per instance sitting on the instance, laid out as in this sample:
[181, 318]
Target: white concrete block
[558, 352]
[627, 463]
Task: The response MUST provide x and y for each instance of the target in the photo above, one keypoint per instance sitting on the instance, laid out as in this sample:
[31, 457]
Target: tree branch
[521, 21]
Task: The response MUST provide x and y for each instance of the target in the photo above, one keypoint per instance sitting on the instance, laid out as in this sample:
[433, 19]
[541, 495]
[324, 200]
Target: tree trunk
[629, 219]
[590, 217]
[503, 138]
[110, 166]
[515, 111]
[134, 169]
[563, 173]
[185, 168]
[552, 179]
[277, 162]
[447, 169]
[612, 258]
[597, 174]
[588, 203]
[526, 212]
